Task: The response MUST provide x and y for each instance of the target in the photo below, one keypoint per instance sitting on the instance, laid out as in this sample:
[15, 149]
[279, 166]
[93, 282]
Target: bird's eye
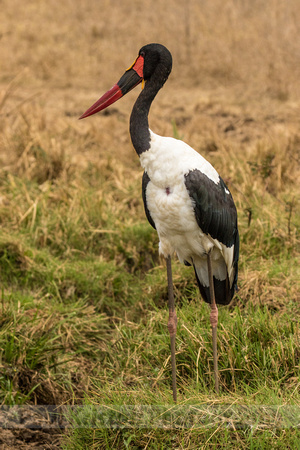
[142, 54]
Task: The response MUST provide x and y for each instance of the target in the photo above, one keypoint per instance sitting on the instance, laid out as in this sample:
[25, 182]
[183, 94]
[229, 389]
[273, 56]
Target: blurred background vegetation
[83, 291]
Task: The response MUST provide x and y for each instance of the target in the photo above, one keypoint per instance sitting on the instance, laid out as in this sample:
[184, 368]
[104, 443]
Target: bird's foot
[214, 316]
[172, 323]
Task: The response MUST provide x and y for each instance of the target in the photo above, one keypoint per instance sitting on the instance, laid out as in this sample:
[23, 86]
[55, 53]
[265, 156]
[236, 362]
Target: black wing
[214, 207]
[145, 182]
[216, 215]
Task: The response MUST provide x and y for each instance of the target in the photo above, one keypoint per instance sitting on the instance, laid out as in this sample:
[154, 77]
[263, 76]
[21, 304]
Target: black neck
[139, 125]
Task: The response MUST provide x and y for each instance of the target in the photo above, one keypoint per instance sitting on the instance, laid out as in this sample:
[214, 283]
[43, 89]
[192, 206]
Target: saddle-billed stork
[185, 199]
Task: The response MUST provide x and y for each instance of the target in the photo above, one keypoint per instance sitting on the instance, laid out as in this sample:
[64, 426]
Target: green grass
[84, 312]
[259, 368]
[84, 305]
[192, 439]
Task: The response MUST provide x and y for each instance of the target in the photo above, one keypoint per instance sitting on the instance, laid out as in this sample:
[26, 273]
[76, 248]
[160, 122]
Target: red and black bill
[131, 78]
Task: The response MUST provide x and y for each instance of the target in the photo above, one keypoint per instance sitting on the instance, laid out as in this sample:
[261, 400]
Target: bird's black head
[156, 57]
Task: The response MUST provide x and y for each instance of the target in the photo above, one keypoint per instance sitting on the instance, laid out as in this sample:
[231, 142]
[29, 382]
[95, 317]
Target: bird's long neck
[139, 125]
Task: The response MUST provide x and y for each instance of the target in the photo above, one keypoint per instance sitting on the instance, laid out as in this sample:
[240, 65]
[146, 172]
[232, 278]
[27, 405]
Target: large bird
[185, 199]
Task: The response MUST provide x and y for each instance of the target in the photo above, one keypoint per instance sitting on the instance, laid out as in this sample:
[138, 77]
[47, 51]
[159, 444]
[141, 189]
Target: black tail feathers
[223, 292]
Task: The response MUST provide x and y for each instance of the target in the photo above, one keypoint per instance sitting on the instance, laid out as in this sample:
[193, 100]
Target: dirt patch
[26, 427]
[28, 439]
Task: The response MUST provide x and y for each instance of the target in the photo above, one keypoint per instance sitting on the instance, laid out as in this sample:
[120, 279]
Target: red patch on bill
[138, 66]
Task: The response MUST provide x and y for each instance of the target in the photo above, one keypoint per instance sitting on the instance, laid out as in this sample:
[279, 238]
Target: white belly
[172, 211]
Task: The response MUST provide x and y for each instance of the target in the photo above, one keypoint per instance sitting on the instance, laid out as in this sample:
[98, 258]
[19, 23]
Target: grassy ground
[83, 292]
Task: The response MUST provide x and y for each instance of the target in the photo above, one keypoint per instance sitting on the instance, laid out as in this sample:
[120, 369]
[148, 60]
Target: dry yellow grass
[233, 62]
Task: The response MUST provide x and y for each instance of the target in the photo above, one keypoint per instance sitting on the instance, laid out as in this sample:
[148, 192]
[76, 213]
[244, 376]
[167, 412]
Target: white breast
[169, 159]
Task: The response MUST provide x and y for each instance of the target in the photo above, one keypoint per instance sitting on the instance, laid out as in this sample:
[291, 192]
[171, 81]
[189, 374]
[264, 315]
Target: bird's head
[155, 56]
[152, 58]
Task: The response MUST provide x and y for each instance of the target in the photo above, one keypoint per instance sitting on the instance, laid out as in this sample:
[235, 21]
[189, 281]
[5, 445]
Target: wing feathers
[214, 208]
[216, 215]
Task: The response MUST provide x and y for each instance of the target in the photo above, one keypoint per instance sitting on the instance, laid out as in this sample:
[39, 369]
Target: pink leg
[213, 321]
[172, 325]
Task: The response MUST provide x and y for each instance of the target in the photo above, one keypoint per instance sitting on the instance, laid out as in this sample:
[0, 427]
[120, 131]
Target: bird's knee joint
[214, 317]
[172, 323]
